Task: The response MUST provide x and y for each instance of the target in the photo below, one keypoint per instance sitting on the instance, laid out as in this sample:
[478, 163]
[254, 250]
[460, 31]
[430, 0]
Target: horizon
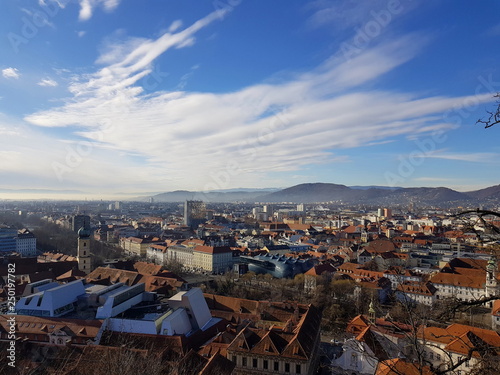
[108, 98]
[131, 198]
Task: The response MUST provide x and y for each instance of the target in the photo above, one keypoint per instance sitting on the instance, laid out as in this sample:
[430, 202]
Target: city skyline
[104, 98]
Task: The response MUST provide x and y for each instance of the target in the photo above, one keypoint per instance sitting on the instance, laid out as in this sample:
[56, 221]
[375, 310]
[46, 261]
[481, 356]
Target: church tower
[371, 313]
[83, 254]
[491, 278]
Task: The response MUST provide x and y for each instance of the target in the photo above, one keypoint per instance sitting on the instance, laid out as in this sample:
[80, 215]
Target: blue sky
[109, 98]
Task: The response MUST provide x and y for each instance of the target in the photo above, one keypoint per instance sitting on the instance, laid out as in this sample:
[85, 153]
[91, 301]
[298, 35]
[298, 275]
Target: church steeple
[491, 277]
[83, 253]
[371, 313]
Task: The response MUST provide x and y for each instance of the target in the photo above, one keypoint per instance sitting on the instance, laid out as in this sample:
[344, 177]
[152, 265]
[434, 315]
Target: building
[83, 251]
[79, 221]
[137, 245]
[52, 331]
[447, 346]
[277, 266]
[266, 337]
[54, 302]
[416, 292]
[182, 254]
[8, 240]
[194, 213]
[213, 259]
[26, 243]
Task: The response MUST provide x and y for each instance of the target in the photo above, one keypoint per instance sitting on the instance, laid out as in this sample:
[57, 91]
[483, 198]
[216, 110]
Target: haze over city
[115, 99]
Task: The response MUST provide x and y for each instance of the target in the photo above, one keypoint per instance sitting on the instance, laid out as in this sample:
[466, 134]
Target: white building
[181, 254]
[26, 243]
[213, 258]
[53, 302]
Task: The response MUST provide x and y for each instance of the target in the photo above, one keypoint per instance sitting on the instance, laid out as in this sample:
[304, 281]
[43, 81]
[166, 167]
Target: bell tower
[83, 253]
[491, 277]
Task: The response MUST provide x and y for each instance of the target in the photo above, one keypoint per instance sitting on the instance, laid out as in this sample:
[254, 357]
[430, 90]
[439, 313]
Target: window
[297, 369]
[234, 358]
[254, 362]
[244, 361]
[276, 366]
[287, 367]
[265, 363]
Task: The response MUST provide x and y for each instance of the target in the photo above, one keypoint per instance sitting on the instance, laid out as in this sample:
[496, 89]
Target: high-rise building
[194, 213]
[80, 221]
[8, 238]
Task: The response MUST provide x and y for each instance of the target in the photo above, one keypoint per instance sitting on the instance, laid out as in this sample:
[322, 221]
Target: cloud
[87, 7]
[212, 141]
[473, 157]
[81, 33]
[47, 82]
[176, 25]
[350, 14]
[11, 73]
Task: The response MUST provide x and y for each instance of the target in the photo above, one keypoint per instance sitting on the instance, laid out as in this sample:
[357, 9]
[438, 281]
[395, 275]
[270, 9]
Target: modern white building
[53, 302]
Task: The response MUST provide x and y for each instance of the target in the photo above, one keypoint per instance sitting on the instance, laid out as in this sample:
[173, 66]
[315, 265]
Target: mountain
[321, 192]
[326, 192]
[308, 193]
[492, 192]
[376, 187]
[428, 195]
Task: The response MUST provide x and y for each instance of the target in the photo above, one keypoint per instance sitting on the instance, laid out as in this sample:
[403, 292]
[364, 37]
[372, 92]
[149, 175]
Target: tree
[494, 116]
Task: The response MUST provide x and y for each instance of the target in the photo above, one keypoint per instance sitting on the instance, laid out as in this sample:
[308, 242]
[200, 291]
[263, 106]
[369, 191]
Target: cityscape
[243, 288]
[239, 187]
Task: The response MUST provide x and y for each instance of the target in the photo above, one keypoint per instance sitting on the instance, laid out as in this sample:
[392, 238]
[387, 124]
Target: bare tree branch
[494, 116]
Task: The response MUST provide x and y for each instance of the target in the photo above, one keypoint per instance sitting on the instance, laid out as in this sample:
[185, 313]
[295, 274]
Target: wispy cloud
[47, 82]
[473, 157]
[87, 7]
[351, 14]
[11, 73]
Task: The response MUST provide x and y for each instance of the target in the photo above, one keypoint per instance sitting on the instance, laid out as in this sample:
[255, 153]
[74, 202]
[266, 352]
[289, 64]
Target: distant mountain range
[326, 192]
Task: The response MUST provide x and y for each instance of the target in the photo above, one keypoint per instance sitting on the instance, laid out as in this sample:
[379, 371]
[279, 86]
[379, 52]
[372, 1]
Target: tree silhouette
[494, 116]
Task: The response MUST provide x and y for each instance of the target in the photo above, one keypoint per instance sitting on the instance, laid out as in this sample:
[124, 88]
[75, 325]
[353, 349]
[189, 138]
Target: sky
[120, 98]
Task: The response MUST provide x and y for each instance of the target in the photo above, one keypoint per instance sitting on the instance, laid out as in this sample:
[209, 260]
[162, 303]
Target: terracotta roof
[147, 268]
[320, 269]
[409, 287]
[398, 366]
[460, 338]
[458, 280]
[25, 324]
[381, 246]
